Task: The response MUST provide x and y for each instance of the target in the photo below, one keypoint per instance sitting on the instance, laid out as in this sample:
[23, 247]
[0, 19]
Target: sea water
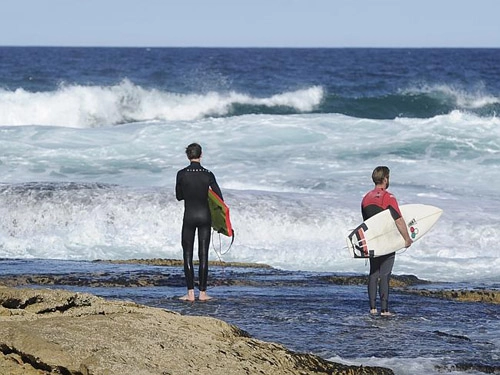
[92, 138]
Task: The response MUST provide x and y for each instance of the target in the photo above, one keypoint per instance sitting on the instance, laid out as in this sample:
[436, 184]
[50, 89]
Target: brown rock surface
[178, 262]
[474, 295]
[59, 332]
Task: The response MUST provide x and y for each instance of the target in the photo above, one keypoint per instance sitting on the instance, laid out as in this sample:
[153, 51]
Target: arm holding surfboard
[400, 223]
[215, 187]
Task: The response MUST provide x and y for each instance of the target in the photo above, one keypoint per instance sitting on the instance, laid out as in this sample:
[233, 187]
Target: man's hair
[193, 151]
[379, 174]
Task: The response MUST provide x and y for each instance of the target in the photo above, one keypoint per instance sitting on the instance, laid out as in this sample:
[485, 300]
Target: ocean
[92, 138]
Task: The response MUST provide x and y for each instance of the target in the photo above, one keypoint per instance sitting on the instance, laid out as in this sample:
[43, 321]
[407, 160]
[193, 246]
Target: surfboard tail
[358, 242]
[221, 219]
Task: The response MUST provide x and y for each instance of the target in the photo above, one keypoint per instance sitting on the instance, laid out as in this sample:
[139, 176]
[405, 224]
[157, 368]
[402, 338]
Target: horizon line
[243, 47]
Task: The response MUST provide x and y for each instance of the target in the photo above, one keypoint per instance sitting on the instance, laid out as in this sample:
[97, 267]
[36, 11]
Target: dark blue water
[364, 83]
[306, 313]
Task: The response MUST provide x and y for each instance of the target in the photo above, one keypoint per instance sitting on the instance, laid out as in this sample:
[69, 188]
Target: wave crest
[460, 98]
[94, 106]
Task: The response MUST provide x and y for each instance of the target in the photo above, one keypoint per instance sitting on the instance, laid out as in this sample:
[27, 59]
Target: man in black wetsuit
[192, 186]
[375, 201]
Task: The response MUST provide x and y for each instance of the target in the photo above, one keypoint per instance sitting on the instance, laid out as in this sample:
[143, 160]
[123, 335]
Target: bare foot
[204, 296]
[373, 311]
[189, 297]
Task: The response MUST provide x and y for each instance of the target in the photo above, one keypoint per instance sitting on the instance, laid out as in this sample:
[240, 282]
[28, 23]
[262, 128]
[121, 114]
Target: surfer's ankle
[204, 296]
[189, 296]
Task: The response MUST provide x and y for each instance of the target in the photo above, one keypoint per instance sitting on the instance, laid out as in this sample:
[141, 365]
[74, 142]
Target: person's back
[192, 186]
[375, 201]
[378, 200]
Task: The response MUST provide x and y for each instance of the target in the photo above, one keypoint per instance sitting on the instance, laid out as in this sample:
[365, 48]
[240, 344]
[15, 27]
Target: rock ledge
[60, 332]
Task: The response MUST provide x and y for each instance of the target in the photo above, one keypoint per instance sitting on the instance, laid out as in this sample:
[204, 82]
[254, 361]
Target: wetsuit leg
[385, 276]
[188, 232]
[373, 282]
[204, 232]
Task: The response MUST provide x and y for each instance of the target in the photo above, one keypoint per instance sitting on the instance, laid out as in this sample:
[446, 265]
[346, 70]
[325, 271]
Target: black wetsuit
[192, 186]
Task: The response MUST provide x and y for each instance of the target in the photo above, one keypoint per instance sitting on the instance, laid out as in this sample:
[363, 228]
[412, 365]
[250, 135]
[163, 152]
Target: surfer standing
[375, 201]
[192, 186]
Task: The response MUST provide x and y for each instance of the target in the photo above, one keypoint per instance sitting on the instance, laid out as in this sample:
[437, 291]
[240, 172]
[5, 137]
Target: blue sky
[251, 23]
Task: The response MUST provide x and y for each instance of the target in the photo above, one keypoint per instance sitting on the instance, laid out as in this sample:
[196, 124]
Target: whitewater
[293, 183]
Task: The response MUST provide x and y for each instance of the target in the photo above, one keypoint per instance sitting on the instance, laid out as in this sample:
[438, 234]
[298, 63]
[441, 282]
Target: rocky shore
[51, 331]
[59, 332]
[403, 283]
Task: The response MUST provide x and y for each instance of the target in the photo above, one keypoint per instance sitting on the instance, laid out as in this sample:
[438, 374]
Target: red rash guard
[378, 200]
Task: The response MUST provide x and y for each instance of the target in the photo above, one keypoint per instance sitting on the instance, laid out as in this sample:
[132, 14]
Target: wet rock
[177, 262]
[399, 281]
[475, 295]
[59, 332]
[97, 279]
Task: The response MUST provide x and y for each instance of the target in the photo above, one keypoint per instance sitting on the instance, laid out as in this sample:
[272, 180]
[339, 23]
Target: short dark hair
[193, 151]
[379, 174]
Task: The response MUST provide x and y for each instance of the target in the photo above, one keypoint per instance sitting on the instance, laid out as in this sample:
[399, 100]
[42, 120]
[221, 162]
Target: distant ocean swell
[94, 106]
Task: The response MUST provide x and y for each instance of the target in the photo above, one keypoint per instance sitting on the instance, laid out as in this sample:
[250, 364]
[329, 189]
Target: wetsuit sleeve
[215, 187]
[178, 187]
[392, 205]
[369, 208]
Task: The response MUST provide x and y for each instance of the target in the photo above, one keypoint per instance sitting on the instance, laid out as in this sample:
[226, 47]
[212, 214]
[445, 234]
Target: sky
[251, 23]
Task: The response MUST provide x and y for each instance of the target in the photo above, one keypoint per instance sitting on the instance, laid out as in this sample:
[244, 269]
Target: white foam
[94, 106]
[462, 98]
[294, 185]
[400, 366]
